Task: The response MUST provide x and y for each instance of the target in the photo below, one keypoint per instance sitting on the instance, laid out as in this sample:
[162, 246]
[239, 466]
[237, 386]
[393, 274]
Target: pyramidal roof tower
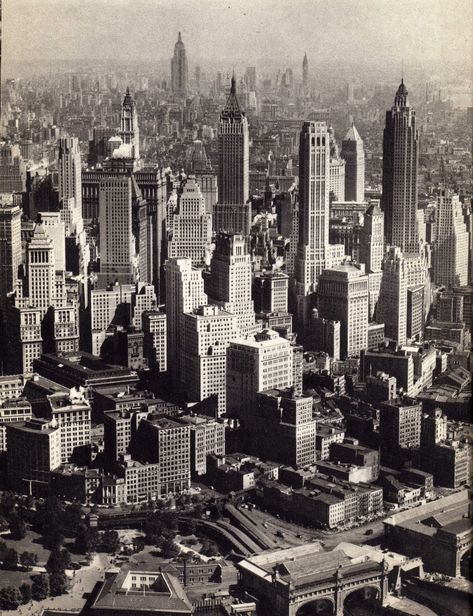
[353, 153]
[233, 152]
[232, 109]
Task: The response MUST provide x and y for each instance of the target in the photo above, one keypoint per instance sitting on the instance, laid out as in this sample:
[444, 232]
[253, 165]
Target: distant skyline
[430, 35]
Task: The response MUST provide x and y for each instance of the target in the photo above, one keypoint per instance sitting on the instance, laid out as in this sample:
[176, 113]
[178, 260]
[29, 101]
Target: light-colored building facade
[206, 333]
[342, 295]
[117, 244]
[261, 362]
[449, 242]
[184, 292]
[191, 230]
[314, 252]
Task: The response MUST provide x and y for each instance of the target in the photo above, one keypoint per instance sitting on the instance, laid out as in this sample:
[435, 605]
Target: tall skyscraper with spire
[232, 212]
[305, 71]
[400, 163]
[179, 69]
[129, 131]
[354, 154]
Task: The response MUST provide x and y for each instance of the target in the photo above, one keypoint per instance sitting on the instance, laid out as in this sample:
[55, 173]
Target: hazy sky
[429, 33]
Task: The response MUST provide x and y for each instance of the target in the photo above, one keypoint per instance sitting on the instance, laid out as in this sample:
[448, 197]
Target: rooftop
[141, 590]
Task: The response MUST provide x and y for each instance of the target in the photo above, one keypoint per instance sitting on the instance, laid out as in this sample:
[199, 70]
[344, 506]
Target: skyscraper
[191, 231]
[372, 238]
[10, 247]
[305, 71]
[206, 333]
[129, 130]
[371, 251]
[232, 212]
[400, 163]
[117, 244]
[229, 282]
[392, 303]
[342, 295]
[314, 252]
[258, 363]
[179, 69]
[184, 293]
[354, 154]
[69, 171]
[12, 169]
[41, 269]
[449, 242]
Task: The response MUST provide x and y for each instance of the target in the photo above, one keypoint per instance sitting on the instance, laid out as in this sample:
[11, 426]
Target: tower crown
[128, 100]
[401, 99]
[232, 107]
[179, 43]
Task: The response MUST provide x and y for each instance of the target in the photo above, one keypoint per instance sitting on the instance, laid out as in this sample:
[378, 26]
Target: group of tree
[160, 525]
[56, 521]
[89, 540]
[11, 559]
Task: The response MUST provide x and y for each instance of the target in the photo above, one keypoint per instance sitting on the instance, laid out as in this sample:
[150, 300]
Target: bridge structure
[305, 581]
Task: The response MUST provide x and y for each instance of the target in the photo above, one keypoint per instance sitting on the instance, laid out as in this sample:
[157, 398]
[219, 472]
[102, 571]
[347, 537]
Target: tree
[188, 526]
[209, 548]
[17, 527]
[25, 591]
[58, 561]
[10, 559]
[28, 559]
[10, 598]
[57, 584]
[168, 548]
[110, 541]
[72, 518]
[3, 549]
[87, 539]
[40, 587]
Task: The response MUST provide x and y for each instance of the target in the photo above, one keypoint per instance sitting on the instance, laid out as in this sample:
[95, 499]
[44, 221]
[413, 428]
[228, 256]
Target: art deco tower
[314, 252]
[179, 69]
[305, 71]
[232, 213]
[400, 162]
[69, 171]
[354, 154]
[129, 131]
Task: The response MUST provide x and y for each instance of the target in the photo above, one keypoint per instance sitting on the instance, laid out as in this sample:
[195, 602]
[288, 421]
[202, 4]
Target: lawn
[15, 578]
[31, 543]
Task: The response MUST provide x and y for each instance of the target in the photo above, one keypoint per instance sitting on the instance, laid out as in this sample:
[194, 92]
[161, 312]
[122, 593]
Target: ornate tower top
[401, 99]
[232, 109]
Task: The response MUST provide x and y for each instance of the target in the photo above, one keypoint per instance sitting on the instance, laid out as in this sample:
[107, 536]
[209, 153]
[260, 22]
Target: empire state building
[179, 69]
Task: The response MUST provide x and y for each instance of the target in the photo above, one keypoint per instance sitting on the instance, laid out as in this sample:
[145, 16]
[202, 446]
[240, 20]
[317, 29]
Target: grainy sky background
[432, 34]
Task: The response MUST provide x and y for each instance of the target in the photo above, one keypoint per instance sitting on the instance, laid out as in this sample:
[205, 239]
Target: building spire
[179, 38]
[232, 108]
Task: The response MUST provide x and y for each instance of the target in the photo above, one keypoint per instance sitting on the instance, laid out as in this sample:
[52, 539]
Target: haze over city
[428, 35]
